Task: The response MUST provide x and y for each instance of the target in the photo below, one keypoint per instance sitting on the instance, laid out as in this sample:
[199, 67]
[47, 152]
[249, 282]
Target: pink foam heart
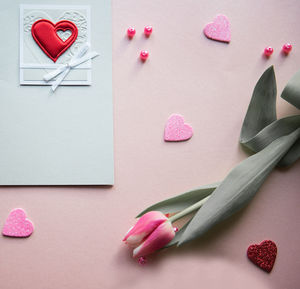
[17, 225]
[218, 29]
[176, 129]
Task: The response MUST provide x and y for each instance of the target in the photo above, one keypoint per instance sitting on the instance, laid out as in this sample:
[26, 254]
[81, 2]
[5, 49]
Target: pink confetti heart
[17, 225]
[218, 29]
[176, 129]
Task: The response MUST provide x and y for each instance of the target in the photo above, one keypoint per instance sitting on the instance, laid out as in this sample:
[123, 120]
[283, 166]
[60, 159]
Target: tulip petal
[160, 237]
[144, 227]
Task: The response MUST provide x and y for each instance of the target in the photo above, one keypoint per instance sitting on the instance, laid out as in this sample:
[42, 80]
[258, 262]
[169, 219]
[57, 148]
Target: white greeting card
[61, 136]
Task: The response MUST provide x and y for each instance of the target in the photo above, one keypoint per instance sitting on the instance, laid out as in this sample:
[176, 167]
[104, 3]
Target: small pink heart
[218, 29]
[176, 129]
[17, 225]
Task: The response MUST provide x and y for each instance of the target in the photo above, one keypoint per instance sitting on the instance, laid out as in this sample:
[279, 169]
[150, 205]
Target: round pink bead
[287, 47]
[142, 261]
[175, 229]
[148, 30]
[130, 32]
[144, 55]
[268, 51]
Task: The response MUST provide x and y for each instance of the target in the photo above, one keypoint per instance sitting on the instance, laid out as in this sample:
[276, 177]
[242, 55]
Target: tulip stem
[188, 210]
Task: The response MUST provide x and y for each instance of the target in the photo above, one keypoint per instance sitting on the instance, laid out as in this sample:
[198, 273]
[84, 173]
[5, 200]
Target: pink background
[78, 230]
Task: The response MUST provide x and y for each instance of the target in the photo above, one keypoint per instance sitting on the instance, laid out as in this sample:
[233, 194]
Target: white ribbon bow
[63, 70]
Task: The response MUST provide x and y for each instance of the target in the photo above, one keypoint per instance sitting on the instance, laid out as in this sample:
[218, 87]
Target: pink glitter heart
[17, 225]
[176, 129]
[218, 29]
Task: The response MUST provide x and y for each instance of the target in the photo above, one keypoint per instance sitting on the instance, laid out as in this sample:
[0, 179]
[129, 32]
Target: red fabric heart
[263, 255]
[45, 35]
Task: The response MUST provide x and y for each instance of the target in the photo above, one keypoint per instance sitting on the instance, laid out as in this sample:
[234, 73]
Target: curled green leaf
[261, 127]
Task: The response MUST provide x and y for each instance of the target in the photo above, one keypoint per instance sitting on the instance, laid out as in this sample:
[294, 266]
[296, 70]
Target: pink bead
[148, 31]
[268, 51]
[142, 260]
[144, 55]
[130, 32]
[175, 229]
[286, 48]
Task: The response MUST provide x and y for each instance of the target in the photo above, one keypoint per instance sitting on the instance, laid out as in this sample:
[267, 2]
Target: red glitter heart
[263, 255]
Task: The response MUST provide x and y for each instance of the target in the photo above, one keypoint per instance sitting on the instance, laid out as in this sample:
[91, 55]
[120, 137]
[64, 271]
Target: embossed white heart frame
[33, 61]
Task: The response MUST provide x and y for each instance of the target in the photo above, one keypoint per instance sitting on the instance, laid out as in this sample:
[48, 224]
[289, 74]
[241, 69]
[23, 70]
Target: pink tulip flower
[151, 232]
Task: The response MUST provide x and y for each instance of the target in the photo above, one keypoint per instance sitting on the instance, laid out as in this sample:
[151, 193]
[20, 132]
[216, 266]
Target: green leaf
[291, 92]
[262, 108]
[239, 187]
[182, 201]
[260, 127]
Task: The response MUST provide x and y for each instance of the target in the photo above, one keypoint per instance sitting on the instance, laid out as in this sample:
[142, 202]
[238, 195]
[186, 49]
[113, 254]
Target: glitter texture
[263, 255]
[17, 225]
[218, 29]
[176, 129]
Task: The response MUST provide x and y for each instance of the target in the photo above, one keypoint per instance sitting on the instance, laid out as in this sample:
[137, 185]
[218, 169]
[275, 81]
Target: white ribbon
[61, 72]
